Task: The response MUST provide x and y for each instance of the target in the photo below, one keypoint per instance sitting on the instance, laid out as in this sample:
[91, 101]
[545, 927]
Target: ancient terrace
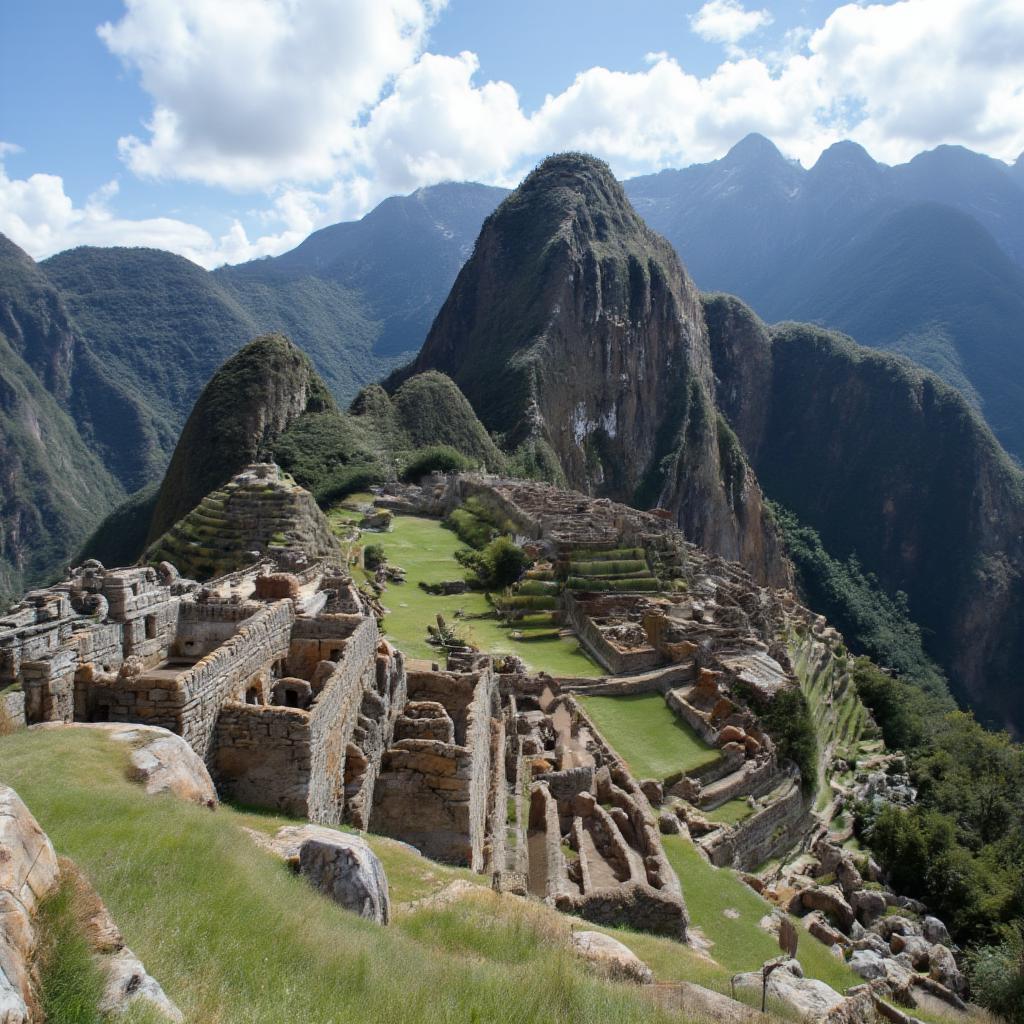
[283, 684]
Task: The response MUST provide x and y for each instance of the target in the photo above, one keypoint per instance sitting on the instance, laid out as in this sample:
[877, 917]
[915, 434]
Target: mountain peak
[752, 149]
[845, 156]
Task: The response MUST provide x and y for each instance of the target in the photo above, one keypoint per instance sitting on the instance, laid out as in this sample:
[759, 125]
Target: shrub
[502, 562]
[441, 458]
[997, 976]
[348, 480]
[470, 528]
[374, 556]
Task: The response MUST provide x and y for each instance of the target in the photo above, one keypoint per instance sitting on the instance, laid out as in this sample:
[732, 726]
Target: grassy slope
[426, 550]
[233, 936]
[739, 944]
[643, 730]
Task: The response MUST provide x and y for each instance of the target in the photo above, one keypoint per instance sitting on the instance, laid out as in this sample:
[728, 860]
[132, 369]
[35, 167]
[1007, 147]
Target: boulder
[900, 979]
[817, 924]
[849, 877]
[28, 874]
[915, 947]
[830, 901]
[868, 964]
[340, 865]
[887, 927]
[828, 854]
[612, 957]
[935, 932]
[161, 760]
[807, 998]
[669, 825]
[867, 905]
[942, 968]
[873, 942]
[128, 982]
[652, 789]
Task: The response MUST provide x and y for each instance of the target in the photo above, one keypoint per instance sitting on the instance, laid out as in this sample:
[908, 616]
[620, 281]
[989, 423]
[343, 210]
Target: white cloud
[330, 105]
[727, 21]
[248, 93]
[37, 214]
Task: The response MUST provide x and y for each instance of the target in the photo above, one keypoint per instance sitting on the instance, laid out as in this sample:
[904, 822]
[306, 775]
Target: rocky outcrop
[161, 760]
[28, 874]
[809, 998]
[341, 866]
[613, 958]
[576, 333]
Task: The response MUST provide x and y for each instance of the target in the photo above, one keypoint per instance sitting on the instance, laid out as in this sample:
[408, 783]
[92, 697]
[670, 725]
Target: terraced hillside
[260, 511]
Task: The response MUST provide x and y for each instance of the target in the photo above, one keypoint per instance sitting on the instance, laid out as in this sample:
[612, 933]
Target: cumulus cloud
[727, 21]
[37, 214]
[328, 106]
[248, 93]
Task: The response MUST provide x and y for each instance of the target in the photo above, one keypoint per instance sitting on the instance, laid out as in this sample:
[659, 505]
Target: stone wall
[761, 836]
[633, 905]
[295, 760]
[437, 795]
[201, 690]
[333, 718]
[12, 711]
[263, 757]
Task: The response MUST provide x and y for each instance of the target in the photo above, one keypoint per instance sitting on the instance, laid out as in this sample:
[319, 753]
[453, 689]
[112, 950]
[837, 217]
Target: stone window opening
[252, 695]
[291, 699]
[151, 627]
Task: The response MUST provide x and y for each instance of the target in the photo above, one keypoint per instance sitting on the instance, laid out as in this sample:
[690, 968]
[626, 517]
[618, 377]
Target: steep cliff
[574, 329]
[249, 402]
[38, 323]
[887, 462]
[53, 489]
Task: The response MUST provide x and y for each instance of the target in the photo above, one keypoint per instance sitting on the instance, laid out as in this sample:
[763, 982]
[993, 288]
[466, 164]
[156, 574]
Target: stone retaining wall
[12, 711]
[761, 836]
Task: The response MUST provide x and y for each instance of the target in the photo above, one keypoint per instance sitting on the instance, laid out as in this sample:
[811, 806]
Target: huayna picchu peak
[576, 334]
[465, 617]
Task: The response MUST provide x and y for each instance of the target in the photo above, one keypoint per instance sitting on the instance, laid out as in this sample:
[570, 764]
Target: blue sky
[231, 129]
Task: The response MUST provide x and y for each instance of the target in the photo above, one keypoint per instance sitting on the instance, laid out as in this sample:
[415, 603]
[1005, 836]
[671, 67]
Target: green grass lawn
[426, 550]
[235, 938]
[731, 812]
[740, 944]
[644, 731]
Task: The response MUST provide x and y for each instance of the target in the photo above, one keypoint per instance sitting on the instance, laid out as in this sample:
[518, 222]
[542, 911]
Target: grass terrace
[426, 550]
[644, 731]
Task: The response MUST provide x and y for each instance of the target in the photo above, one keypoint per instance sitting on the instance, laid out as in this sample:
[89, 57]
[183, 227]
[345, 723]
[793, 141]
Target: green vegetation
[248, 402]
[739, 943]
[234, 936]
[374, 556]
[501, 563]
[644, 731]
[732, 812]
[960, 848]
[54, 488]
[786, 717]
[70, 982]
[840, 719]
[997, 976]
[438, 458]
[426, 550]
[855, 603]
